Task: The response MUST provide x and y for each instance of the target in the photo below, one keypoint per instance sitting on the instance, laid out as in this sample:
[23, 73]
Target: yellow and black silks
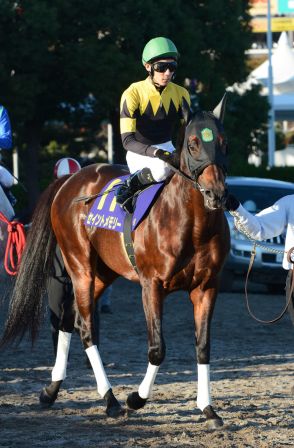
[147, 117]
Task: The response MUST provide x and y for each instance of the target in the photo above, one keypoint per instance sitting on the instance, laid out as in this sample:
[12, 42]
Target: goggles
[162, 67]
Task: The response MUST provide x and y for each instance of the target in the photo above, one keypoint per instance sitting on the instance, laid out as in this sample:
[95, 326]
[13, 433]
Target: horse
[180, 245]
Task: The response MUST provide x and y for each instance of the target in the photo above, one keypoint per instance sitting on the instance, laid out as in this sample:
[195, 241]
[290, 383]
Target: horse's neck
[182, 198]
[186, 205]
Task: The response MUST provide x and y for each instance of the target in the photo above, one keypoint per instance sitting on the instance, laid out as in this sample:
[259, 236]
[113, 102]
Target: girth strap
[128, 240]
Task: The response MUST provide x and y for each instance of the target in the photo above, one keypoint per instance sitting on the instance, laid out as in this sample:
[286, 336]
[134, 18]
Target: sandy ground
[252, 371]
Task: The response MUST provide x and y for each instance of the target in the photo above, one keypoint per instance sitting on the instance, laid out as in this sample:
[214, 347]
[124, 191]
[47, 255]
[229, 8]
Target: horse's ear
[219, 111]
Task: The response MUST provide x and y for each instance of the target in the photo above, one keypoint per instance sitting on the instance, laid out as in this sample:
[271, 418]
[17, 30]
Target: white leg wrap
[59, 369]
[145, 387]
[103, 385]
[203, 393]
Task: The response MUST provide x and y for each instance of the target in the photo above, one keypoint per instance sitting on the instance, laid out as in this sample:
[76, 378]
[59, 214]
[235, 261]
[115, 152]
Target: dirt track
[252, 370]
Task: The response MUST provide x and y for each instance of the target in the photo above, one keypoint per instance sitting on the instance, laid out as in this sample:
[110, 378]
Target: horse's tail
[26, 304]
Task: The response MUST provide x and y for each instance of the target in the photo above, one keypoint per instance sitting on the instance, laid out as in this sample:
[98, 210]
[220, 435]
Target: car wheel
[227, 280]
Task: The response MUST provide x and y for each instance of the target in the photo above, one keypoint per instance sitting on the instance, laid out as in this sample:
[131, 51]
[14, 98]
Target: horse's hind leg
[85, 325]
[203, 302]
[66, 325]
[152, 301]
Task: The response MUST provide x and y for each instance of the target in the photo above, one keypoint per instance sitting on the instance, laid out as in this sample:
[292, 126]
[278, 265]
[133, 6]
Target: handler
[268, 223]
[149, 110]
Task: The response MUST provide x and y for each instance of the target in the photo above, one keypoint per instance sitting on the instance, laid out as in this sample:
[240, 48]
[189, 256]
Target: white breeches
[159, 169]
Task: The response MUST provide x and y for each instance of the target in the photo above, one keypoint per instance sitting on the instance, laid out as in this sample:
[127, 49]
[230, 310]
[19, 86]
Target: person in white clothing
[268, 223]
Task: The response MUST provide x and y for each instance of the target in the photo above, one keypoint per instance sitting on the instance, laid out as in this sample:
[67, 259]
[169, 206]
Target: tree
[57, 52]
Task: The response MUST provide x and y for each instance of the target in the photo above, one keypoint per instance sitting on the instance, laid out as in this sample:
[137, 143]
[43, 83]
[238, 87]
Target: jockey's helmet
[66, 165]
[159, 47]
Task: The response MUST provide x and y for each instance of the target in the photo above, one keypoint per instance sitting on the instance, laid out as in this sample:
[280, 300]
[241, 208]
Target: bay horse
[180, 245]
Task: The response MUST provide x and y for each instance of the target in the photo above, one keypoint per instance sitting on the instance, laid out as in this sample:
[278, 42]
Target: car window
[262, 197]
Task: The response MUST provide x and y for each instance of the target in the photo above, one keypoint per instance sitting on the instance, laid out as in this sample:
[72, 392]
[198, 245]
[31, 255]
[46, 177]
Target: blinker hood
[206, 127]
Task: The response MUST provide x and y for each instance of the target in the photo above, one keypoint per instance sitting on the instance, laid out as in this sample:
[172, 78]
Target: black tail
[26, 304]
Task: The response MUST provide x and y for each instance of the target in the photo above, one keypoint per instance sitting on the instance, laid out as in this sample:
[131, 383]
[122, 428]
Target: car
[255, 194]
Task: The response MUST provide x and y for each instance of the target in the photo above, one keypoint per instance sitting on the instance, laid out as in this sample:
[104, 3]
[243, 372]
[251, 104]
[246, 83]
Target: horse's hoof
[115, 411]
[113, 408]
[46, 399]
[213, 421]
[135, 402]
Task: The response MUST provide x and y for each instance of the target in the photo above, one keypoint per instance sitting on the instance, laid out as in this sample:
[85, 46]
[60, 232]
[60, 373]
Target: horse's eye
[193, 142]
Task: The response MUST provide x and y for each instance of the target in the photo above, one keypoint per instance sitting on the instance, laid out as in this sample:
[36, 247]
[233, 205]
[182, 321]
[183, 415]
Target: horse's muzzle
[214, 200]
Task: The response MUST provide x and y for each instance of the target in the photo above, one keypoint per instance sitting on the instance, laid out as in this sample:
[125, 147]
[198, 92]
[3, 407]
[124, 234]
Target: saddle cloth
[105, 213]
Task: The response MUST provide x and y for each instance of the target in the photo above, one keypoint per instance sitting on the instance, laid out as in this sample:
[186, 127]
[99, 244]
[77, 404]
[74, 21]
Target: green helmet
[159, 47]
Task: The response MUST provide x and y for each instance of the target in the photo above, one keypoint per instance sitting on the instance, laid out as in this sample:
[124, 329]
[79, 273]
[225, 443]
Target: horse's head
[204, 155]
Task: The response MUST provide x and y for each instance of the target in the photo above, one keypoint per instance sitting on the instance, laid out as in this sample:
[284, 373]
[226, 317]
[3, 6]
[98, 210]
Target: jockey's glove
[231, 203]
[172, 158]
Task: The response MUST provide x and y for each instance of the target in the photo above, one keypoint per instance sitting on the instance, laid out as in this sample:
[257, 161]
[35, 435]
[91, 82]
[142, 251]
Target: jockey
[149, 110]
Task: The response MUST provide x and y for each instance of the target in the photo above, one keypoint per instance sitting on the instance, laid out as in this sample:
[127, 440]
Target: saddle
[106, 213]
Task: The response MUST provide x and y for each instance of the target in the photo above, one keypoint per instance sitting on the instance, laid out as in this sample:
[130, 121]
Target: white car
[255, 194]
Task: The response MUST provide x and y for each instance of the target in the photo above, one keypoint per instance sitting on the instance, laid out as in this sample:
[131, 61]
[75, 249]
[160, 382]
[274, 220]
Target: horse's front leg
[152, 301]
[203, 302]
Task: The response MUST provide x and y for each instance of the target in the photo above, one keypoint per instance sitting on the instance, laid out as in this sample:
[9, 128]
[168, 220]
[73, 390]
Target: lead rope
[15, 245]
[290, 259]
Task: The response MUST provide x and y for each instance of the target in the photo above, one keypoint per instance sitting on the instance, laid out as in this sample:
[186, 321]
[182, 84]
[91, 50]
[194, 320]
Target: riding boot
[135, 183]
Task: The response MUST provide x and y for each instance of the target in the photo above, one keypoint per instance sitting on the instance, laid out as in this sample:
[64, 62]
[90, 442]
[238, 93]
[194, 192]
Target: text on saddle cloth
[105, 213]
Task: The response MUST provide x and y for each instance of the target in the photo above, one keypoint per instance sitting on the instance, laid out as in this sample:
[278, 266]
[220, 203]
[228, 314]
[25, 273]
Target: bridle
[195, 173]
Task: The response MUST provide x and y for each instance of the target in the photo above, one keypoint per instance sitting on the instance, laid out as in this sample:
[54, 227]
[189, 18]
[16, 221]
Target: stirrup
[128, 205]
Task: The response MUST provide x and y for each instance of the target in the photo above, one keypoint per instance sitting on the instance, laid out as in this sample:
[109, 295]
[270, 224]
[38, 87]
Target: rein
[188, 178]
[251, 262]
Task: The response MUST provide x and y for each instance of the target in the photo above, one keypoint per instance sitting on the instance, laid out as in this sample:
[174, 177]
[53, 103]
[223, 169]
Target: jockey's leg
[144, 171]
[136, 182]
